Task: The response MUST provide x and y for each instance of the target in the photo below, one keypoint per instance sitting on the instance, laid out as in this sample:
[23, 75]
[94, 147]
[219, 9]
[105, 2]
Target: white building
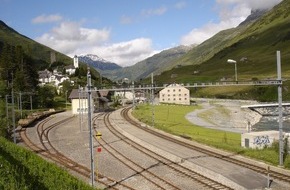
[70, 69]
[76, 61]
[175, 94]
[124, 94]
[44, 76]
[79, 102]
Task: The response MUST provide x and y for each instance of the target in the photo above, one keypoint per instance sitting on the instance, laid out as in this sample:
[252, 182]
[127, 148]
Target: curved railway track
[256, 168]
[47, 150]
[159, 182]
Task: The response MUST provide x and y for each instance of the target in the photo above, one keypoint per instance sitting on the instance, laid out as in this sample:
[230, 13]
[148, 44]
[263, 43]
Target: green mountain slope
[221, 40]
[34, 49]
[157, 63]
[182, 55]
[40, 55]
[254, 49]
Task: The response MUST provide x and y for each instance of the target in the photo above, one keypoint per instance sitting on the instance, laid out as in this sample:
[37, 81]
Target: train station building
[79, 101]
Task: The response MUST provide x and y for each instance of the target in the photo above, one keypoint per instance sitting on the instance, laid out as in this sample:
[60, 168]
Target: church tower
[76, 61]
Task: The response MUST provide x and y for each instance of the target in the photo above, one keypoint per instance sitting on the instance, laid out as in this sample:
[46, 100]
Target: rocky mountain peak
[255, 15]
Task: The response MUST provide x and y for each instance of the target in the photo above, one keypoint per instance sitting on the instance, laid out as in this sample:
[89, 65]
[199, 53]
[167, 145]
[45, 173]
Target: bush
[22, 169]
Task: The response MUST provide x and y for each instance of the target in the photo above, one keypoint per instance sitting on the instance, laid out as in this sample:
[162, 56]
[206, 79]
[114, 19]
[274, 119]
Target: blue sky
[124, 31]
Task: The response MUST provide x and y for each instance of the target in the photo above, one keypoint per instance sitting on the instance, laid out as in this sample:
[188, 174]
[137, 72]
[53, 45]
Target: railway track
[47, 150]
[174, 168]
[262, 170]
[157, 181]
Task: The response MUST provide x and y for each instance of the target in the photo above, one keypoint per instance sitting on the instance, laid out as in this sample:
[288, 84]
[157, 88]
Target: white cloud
[126, 20]
[180, 5]
[153, 12]
[47, 18]
[69, 36]
[252, 4]
[72, 39]
[231, 14]
[126, 53]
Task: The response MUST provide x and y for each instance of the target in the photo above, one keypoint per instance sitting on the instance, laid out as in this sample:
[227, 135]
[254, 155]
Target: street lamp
[235, 62]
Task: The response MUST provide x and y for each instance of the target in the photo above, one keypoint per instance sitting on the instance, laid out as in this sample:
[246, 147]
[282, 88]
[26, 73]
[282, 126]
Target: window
[173, 90]
[185, 94]
[168, 99]
[168, 90]
[179, 90]
[173, 99]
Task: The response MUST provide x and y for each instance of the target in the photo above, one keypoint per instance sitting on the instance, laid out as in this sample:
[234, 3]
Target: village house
[175, 94]
[44, 76]
[47, 77]
[55, 77]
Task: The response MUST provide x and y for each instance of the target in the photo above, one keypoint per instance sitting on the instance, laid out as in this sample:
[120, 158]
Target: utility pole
[152, 99]
[30, 103]
[13, 112]
[281, 151]
[7, 111]
[90, 126]
[66, 100]
[20, 105]
[133, 95]
[80, 119]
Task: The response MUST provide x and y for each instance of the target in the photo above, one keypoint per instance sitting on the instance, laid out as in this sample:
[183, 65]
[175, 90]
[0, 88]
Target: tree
[3, 119]
[6, 61]
[46, 96]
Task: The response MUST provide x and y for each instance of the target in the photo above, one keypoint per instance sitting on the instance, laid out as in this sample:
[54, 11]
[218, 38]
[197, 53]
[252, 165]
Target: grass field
[171, 119]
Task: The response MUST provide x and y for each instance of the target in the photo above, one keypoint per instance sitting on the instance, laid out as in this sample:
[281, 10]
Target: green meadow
[171, 119]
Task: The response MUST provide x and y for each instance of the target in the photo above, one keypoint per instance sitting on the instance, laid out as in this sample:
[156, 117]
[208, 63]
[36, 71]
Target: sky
[124, 31]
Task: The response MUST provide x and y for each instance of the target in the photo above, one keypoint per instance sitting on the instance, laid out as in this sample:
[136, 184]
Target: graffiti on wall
[262, 140]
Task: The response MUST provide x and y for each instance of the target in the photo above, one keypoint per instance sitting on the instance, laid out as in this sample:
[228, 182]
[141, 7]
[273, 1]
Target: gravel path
[224, 115]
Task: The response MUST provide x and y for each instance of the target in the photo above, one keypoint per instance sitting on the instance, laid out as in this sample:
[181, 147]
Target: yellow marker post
[98, 135]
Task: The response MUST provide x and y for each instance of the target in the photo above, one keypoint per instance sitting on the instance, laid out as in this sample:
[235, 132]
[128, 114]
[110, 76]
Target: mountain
[32, 48]
[253, 45]
[219, 41]
[17, 50]
[183, 55]
[155, 64]
[255, 15]
[98, 63]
